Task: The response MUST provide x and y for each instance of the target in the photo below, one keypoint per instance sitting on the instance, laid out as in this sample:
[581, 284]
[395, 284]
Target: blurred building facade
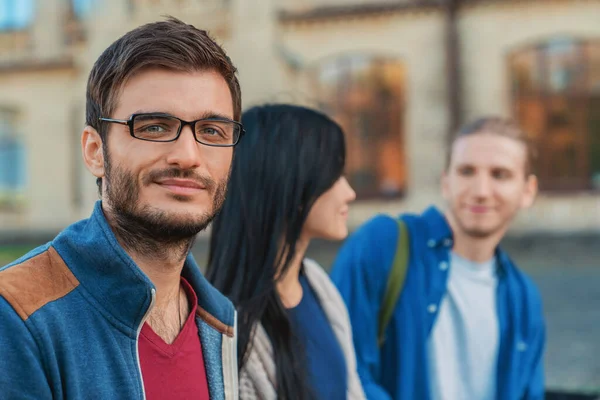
[398, 75]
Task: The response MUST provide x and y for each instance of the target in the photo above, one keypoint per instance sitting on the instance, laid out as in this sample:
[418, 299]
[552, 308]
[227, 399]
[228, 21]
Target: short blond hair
[495, 125]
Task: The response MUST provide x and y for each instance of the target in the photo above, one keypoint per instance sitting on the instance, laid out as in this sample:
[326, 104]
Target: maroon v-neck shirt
[174, 371]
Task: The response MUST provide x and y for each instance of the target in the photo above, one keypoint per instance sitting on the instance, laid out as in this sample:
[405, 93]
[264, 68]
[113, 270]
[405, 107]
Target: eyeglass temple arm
[117, 121]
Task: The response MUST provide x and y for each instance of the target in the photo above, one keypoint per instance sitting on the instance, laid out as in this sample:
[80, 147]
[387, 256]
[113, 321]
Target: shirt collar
[439, 232]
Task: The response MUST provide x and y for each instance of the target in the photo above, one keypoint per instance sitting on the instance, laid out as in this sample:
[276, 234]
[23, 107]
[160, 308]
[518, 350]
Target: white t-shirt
[464, 341]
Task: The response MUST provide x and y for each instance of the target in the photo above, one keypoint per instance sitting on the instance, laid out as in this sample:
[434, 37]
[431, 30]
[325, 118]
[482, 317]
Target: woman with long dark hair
[286, 188]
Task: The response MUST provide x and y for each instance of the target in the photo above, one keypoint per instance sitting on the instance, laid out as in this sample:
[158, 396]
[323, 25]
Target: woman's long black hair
[289, 156]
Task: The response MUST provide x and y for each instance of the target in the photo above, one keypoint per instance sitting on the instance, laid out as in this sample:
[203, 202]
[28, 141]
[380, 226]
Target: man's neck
[171, 306]
[164, 273]
[162, 263]
[475, 249]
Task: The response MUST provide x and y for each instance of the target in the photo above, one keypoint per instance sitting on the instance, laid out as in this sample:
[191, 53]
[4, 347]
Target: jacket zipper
[137, 341]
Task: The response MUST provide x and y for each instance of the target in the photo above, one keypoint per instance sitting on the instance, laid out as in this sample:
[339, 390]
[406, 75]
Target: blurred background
[398, 75]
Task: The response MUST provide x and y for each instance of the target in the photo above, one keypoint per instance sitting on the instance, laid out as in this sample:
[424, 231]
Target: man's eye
[501, 174]
[466, 171]
[154, 129]
[210, 131]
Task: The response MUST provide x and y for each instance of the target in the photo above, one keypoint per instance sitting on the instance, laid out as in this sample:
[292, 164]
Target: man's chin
[187, 221]
[192, 226]
[178, 209]
[481, 232]
[177, 223]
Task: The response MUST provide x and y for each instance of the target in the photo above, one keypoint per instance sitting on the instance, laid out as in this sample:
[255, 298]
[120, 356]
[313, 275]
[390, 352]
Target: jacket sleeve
[360, 272]
[536, 387]
[23, 375]
[535, 391]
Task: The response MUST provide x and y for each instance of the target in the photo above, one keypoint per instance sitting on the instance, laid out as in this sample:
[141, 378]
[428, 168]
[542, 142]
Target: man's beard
[482, 233]
[151, 231]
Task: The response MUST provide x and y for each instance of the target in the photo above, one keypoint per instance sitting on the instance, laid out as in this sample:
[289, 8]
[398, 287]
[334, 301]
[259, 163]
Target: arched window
[16, 14]
[556, 98]
[12, 161]
[365, 95]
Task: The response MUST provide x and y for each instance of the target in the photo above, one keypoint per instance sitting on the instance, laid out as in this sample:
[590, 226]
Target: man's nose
[482, 185]
[185, 152]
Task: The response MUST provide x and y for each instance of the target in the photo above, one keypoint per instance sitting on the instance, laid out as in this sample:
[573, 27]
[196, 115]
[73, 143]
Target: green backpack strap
[395, 280]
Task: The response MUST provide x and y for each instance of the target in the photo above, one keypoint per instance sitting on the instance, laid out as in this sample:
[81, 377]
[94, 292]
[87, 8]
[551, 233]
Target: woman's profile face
[327, 218]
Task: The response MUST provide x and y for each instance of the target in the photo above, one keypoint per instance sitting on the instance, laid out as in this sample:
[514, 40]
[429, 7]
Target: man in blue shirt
[467, 323]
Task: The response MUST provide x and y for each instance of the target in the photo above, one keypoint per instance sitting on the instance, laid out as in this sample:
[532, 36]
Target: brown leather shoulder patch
[37, 281]
[214, 322]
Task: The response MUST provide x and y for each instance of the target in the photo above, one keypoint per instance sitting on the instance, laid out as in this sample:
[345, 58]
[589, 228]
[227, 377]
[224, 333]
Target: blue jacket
[70, 316]
[399, 370]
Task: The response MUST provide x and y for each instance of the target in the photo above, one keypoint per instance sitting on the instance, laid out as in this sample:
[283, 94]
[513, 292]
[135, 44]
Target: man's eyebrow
[151, 112]
[154, 112]
[502, 168]
[463, 165]
[213, 115]
[204, 115]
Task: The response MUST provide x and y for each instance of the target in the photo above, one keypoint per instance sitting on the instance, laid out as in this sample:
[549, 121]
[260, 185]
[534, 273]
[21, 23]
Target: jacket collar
[117, 285]
[440, 234]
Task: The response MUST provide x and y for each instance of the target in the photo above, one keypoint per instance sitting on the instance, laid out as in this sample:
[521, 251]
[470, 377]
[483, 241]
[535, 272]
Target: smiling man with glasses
[115, 307]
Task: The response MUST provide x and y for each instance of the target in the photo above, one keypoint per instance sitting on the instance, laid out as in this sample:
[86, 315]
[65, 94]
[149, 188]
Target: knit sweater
[257, 377]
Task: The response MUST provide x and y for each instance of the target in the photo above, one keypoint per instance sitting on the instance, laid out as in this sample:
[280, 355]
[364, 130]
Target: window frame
[578, 97]
[342, 84]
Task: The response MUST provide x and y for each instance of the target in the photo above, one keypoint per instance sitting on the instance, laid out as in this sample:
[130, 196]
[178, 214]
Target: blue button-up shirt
[399, 369]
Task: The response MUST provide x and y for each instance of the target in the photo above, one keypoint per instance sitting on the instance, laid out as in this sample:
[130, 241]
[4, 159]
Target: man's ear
[531, 191]
[93, 153]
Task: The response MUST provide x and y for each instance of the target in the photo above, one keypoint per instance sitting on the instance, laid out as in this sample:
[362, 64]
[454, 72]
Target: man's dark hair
[497, 126]
[172, 45]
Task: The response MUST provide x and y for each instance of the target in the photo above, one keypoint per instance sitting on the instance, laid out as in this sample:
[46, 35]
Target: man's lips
[479, 209]
[182, 186]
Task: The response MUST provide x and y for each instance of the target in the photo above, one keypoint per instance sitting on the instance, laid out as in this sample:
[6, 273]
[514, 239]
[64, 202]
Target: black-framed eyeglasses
[158, 127]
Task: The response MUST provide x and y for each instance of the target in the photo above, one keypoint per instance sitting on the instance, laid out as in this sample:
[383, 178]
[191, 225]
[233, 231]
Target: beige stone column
[48, 28]
[254, 49]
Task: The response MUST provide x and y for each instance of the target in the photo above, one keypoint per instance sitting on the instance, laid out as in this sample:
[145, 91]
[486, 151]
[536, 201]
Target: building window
[16, 14]
[365, 95]
[83, 8]
[13, 164]
[75, 29]
[556, 98]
